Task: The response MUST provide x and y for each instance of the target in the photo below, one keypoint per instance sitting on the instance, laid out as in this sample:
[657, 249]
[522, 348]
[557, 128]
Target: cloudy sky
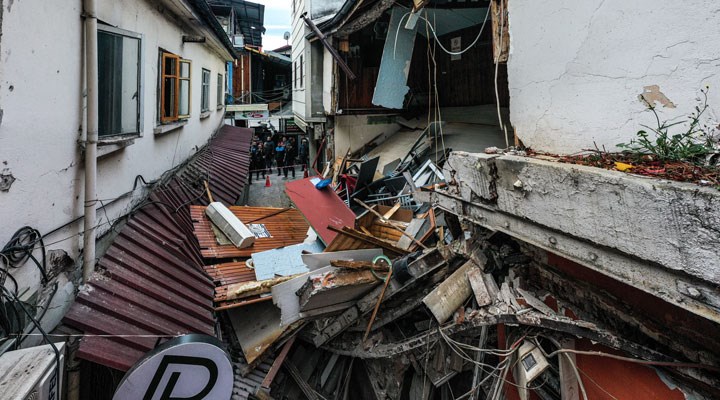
[277, 22]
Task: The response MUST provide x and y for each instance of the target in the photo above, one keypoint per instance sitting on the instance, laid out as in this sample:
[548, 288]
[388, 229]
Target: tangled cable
[20, 248]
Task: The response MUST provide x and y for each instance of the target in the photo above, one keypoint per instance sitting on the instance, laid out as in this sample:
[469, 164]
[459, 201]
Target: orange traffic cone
[267, 181]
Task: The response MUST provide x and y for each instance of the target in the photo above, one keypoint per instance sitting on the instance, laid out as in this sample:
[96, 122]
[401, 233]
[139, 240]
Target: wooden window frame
[163, 77]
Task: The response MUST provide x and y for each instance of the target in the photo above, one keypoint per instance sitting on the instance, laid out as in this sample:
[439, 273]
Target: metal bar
[277, 363]
[327, 45]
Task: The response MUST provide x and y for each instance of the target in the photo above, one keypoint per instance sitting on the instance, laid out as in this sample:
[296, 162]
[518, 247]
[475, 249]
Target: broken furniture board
[319, 260]
[230, 225]
[413, 231]
[257, 326]
[252, 288]
[284, 261]
[366, 175]
[450, 294]
[322, 208]
[431, 262]
[335, 287]
[390, 167]
[391, 86]
[284, 297]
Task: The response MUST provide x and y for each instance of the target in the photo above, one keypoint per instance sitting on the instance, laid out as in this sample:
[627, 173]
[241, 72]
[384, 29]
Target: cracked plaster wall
[40, 94]
[576, 68]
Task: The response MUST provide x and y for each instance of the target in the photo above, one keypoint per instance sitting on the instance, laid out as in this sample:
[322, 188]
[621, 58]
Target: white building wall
[328, 84]
[41, 101]
[300, 96]
[354, 131]
[576, 68]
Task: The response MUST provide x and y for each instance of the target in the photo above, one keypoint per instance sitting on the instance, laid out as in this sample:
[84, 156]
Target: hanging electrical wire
[11, 296]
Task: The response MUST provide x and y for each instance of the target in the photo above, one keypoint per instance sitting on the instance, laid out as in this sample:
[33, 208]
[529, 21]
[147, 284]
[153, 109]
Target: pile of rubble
[349, 297]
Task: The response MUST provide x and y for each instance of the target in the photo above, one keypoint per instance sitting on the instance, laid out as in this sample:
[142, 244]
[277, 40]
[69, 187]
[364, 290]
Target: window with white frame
[174, 87]
[220, 91]
[205, 91]
[119, 82]
[184, 89]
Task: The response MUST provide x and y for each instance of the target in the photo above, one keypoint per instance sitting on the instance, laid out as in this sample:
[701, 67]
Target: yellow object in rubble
[622, 166]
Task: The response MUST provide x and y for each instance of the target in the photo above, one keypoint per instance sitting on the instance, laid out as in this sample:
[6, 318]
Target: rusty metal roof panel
[151, 283]
[286, 226]
[227, 274]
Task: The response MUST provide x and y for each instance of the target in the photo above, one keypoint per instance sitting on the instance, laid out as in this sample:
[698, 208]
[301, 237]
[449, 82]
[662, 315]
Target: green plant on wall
[692, 144]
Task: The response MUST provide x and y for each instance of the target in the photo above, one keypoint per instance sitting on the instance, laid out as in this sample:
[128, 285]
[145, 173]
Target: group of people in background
[268, 148]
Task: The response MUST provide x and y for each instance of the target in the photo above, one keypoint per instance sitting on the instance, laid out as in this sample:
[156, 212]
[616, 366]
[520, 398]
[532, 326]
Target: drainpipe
[91, 69]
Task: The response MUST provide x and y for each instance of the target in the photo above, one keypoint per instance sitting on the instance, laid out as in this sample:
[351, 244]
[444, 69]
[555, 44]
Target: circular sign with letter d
[190, 367]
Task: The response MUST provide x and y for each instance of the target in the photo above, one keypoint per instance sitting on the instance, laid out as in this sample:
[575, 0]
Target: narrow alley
[359, 200]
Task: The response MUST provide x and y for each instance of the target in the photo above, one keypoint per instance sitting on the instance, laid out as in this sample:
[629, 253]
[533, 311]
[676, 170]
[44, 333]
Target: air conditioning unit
[32, 374]
[238, 41]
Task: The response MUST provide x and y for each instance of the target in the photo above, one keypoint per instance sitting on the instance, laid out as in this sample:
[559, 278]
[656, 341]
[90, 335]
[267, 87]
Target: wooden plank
[477, 283]
[392, 211]
[535, 303]
[359, 240]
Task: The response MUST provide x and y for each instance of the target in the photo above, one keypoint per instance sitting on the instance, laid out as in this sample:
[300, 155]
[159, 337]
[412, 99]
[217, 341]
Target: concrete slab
[658, 236]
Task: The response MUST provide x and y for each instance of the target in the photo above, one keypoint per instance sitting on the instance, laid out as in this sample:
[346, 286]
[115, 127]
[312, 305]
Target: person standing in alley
[290, 156]
[268, 153]
[257, 162]
[303, 151]
[280, 156]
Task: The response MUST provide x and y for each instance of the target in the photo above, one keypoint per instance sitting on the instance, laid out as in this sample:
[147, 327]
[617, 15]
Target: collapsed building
[434, 252]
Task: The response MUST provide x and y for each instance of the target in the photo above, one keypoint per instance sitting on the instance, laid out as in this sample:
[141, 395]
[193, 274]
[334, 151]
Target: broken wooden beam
[253, 288]
[357, 265]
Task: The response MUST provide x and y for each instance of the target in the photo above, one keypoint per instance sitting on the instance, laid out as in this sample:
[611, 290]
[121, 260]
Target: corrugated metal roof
[227, 274]
[285, 225]
[151, 281]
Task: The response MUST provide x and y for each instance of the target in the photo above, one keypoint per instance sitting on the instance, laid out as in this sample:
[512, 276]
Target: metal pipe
[91, 68]
[329, 47]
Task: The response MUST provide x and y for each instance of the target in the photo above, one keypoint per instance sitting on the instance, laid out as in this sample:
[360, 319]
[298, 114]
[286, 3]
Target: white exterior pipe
[91, 68]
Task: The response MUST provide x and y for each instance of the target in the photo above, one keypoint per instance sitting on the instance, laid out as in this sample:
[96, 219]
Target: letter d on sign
[190, 367]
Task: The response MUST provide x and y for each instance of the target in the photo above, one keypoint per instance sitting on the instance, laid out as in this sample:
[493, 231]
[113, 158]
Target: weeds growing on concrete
[694, 144]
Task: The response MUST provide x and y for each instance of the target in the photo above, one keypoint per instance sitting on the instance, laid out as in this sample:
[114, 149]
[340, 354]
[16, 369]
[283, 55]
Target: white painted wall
[328, 84]
[354, 131]
[41, 100]
[576, 68]
[298, 42]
